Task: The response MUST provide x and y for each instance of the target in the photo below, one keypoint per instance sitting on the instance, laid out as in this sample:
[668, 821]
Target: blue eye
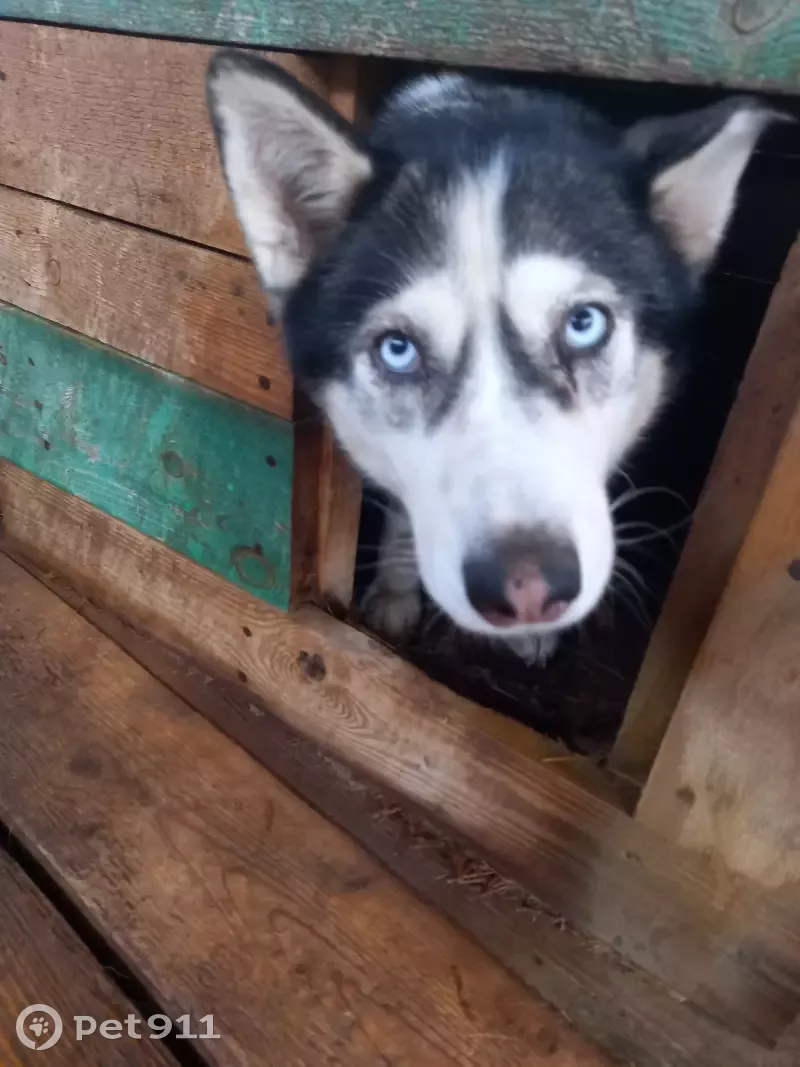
[586, 326]
[398, 353]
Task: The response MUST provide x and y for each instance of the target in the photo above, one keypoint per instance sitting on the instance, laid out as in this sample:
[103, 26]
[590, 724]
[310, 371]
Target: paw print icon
[39, 1027]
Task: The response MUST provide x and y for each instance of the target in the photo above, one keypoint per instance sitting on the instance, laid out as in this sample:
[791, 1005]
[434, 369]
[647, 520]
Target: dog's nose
[523, 578]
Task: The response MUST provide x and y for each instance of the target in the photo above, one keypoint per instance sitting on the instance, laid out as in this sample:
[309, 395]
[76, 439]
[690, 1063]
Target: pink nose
[531, 597]
[527, 577]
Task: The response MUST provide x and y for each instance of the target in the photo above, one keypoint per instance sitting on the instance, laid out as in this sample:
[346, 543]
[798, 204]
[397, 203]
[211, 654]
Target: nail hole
[271, 461]
[47, 445]
[264, 381]
[247, 631]
[794, 570]
[241, 676]
[312, 666]
[172, 464]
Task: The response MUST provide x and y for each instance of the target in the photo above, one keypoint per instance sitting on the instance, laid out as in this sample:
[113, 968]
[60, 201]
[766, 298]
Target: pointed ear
[694, 163]
[292, 164]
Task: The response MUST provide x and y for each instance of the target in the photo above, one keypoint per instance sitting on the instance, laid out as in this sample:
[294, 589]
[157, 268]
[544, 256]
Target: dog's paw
[392, 615]
[533, 649]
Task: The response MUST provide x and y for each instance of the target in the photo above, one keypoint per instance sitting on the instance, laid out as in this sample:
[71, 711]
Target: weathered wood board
[42, 961]
[205, 475]
[751, 441]
[222, 890]
[125, 123]
[631, 1017]
[732, 42]
[724, 946]
[189, 310]
[327, 488]
[727, 779]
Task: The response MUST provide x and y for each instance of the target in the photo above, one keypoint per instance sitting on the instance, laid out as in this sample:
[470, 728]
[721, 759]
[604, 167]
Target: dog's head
[481, 295]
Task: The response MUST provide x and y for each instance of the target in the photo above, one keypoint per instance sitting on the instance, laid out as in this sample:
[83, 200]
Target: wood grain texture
[126, 127]
[327, 490]
[326, 516]
[42, 961]
[725, 947]
[726, 779]
[221, 889]
[339, 519]
[198, 313]
[210, 477]
[736, 42]
[630, 1016]
[745, 456]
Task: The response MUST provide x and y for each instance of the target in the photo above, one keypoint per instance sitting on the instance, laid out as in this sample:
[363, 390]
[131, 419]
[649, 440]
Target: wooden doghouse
[176, 525]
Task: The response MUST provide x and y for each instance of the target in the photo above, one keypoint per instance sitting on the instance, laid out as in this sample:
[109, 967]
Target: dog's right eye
[398, 353]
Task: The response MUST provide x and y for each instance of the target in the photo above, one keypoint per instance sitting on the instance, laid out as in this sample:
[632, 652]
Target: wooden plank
[102, 556]
[726, 947]
[43, 962]
[740, 42]
[189, 310]
[126, 127]
[726, 779]
[630, 1017]
[326, 517]
[766, 401]
[222, 890]
[339, 518]
[327, 491]
[205, 475]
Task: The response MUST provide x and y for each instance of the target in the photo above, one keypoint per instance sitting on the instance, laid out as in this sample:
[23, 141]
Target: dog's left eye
[398, 353]
[586, 326]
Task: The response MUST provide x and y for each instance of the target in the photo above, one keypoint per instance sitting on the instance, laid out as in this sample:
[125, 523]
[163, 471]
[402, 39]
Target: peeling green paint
[753, 43]
[178, 462]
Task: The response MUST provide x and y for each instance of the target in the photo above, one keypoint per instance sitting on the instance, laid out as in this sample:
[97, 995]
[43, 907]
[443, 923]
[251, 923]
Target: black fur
[578, 186]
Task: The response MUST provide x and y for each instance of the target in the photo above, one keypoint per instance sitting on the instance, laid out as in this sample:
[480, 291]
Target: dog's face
[482, 297]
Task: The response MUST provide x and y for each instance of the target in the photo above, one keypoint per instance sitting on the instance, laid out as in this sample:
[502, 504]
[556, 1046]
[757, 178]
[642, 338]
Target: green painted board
[206, 475]
[753, 43]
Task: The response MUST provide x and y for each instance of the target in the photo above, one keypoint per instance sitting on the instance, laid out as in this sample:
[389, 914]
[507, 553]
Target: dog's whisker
[632, 578]
[633, 600]
[624, 566]
[624, 474]
[376, 502]
[635, 494]
[653, 532]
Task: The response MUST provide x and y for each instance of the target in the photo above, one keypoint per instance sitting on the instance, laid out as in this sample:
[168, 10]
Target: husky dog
[483, 294]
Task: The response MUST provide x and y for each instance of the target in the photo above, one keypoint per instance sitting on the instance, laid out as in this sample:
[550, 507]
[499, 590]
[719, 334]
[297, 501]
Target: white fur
[503, 458]
[393, 603]
[533, 649]
[431, 91]
[695, 198]
[271, 141]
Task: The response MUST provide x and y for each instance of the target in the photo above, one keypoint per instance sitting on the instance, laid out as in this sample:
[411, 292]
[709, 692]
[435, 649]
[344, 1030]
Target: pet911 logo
[40, 1027]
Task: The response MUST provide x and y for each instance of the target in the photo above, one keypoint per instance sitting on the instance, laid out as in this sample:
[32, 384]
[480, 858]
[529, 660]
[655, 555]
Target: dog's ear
[694, 162]
[292, 164]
